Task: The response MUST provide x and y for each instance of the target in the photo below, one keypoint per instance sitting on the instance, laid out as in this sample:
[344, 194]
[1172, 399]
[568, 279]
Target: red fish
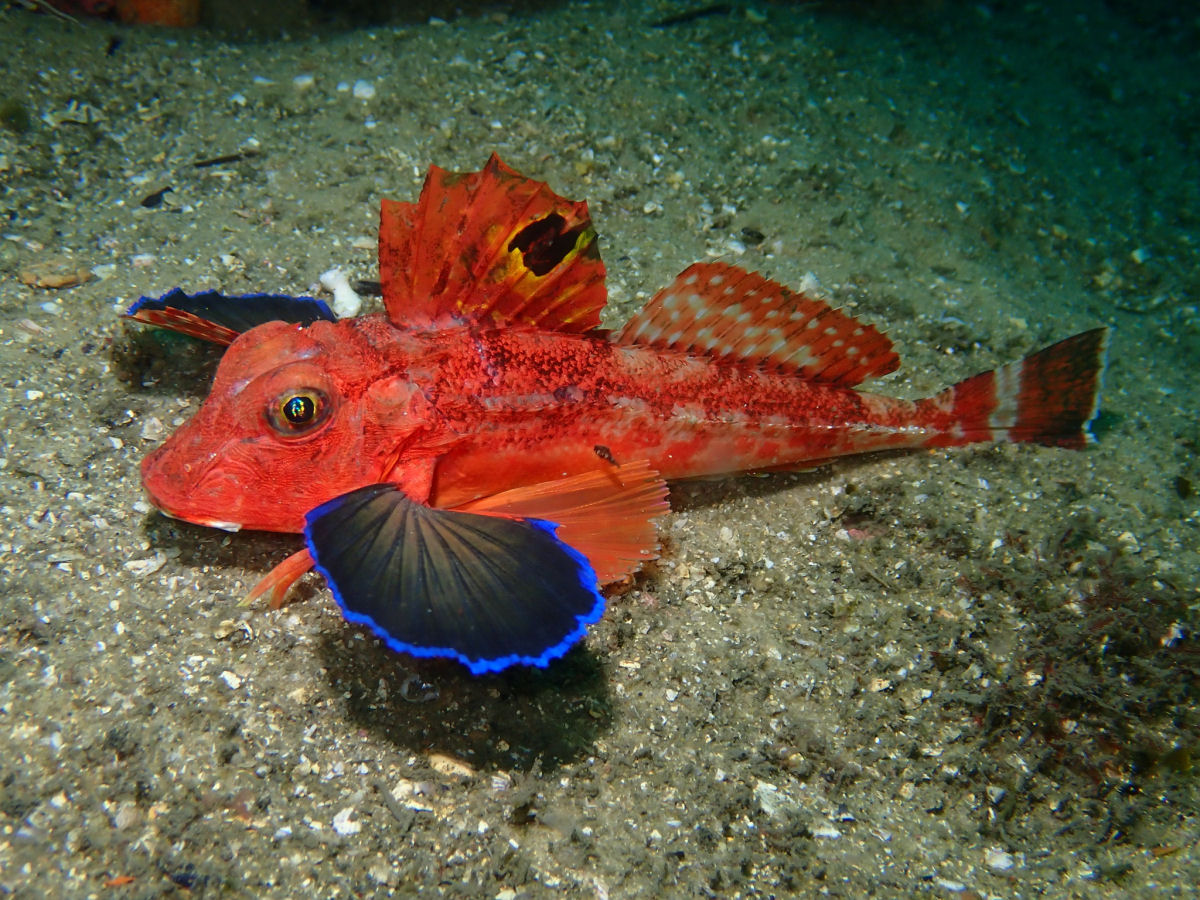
[468, 467]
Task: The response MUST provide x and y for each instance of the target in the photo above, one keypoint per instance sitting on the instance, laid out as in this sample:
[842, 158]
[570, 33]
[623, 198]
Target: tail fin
[1049, 397]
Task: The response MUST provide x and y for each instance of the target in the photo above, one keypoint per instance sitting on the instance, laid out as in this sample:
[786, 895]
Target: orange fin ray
[722, 311]
[186, 323]
[608, 515]
[276, 583]
[491, 246]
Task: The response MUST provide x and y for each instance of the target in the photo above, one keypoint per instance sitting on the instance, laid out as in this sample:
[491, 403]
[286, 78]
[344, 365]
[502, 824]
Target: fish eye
[298, 412]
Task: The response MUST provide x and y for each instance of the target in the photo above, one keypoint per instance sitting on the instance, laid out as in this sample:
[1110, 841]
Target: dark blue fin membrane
[214, 316]
[489, 591]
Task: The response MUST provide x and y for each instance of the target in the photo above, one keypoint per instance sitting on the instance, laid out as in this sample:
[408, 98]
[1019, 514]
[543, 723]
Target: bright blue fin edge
[585, 574]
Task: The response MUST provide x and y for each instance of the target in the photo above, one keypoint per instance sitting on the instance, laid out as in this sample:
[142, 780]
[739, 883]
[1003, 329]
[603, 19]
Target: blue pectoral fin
[220, 318]
[487, 590]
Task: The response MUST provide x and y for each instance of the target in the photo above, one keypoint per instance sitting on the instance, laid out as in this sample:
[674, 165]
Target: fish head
[286, 426]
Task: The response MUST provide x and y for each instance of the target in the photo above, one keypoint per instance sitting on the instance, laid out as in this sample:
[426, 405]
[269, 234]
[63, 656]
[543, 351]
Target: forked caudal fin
[1049, 397]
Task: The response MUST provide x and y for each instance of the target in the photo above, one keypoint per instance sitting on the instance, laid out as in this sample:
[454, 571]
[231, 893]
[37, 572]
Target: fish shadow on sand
[522, 719]
[164, 362]
[198, 546]
[703, 493]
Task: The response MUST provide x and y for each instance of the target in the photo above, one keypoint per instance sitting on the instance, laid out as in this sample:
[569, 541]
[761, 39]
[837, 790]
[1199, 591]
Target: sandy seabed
[969, 672]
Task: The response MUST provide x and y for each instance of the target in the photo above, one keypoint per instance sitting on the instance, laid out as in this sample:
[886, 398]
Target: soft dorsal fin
[491, 246]
[715, 309]
[608, 515]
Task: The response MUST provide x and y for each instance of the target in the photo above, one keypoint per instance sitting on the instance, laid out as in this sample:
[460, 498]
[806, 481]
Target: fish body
[485, 432]
[455, 414]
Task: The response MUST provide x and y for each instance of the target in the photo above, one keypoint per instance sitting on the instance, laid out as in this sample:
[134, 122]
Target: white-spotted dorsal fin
[718, 310]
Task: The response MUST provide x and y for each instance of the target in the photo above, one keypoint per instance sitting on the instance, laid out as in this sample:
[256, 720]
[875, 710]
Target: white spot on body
[632, 404]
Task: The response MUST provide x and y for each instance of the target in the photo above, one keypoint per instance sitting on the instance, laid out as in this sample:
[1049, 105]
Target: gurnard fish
[470, 466]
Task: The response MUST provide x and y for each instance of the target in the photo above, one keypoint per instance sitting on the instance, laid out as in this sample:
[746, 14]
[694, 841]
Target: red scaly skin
[466, 412]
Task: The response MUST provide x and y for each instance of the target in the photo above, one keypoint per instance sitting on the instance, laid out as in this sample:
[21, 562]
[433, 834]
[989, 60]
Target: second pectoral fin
[488, 590]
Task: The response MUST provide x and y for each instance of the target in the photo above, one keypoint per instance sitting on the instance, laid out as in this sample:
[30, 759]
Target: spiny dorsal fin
[491, 246]
[718, 310]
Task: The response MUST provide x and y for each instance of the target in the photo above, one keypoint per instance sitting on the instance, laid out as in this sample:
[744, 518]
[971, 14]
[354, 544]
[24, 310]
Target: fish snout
[177, 479]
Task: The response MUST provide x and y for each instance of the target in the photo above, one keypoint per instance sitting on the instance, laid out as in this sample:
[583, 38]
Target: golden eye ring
[298, 412]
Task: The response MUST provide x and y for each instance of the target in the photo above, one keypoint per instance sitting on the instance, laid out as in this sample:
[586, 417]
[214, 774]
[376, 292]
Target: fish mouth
[170, 491]
[208, 523]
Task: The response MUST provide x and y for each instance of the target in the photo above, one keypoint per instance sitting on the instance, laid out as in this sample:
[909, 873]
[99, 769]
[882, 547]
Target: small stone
[231, 679]
[55, 273]
[147, 566]
[344, 824]
[448, 765]
[152, 429]
[998, 859]
[363, 90]
[127, 816]
[346, 303]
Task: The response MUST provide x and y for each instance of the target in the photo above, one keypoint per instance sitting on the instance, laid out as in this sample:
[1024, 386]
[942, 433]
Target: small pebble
[998, 859]
[148, 566]
[947, 884]
[346, 303]
[363, 90]
[232, 679]
[448, 765]
[344, 825]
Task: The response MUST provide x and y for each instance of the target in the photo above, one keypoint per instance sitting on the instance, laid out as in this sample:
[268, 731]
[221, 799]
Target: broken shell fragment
[55, 273]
